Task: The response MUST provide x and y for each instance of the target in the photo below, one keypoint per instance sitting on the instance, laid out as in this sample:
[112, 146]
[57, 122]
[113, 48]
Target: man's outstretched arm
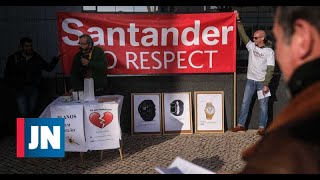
[242, 32]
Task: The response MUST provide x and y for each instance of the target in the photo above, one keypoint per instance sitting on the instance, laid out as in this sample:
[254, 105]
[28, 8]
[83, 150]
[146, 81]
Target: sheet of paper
[162, 170]
[181, 166]
[261, 96]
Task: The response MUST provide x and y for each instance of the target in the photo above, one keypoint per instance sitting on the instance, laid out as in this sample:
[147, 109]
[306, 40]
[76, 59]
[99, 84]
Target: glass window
[106, 8]
[124, 9]
[121, 8]
[141, 8]
[145, 8]
[89, 8]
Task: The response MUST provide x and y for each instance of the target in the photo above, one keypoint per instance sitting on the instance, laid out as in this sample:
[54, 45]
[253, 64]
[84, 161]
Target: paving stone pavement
[217, 152]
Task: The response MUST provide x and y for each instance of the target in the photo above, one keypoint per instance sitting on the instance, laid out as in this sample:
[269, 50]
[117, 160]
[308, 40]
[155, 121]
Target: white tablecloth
[47, 114]
[88, 125]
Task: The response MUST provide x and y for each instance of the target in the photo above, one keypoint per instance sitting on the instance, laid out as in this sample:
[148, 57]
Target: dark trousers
[26, 99]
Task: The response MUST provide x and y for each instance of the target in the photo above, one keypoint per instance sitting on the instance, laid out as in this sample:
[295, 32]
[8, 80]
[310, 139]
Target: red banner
[154, 43]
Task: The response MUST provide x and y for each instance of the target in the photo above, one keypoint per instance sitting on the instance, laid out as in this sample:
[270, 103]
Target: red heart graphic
[94, 119]
[101, 123]
[108, 117]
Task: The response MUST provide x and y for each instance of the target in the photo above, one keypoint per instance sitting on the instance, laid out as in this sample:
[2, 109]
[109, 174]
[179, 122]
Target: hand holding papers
[261, 95]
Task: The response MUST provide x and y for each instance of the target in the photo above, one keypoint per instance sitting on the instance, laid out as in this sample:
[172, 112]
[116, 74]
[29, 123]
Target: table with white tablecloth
[91, 125]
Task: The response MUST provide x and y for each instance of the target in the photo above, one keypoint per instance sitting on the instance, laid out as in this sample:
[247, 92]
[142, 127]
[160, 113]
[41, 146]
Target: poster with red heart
[102, 126]
[73, 126]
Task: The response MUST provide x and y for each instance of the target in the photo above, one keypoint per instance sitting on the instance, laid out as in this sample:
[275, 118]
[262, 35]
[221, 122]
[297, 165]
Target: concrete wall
[206, 82]
[160, 84]
[180, 83]
[39, 23]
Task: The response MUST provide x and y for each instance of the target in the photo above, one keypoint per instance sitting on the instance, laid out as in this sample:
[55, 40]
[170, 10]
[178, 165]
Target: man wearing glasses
[89, 62]
[261, 64]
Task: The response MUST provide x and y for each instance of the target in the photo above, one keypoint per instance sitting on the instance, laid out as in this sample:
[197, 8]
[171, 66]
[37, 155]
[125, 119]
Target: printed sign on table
[73, 126]
[102, 126]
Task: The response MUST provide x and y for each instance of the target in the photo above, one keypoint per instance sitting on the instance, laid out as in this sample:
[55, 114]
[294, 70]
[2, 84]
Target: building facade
[40, 24]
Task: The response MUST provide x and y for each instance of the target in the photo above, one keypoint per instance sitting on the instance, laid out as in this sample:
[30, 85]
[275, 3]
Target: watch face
[147, 110]
[173, 108]
[176, 107]
[210, 110]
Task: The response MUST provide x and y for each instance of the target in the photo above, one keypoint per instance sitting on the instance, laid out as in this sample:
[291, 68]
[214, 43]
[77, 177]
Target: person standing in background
[23, 74]
[261, 63]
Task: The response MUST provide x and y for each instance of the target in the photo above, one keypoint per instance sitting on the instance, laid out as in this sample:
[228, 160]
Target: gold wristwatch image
[209, 110]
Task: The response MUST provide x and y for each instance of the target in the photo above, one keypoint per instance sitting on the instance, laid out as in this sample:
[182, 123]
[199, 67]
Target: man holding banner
[89, 62]
[259, 74]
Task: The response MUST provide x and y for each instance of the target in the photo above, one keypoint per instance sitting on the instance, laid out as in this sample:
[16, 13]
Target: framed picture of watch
[209, 111]
[176, 110]
[146, 113]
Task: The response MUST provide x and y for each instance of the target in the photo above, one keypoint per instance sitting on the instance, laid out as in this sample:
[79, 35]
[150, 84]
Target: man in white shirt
[261, 64]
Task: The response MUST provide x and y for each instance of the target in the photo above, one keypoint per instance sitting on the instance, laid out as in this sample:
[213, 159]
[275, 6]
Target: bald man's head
[259, 37]
[261, 33]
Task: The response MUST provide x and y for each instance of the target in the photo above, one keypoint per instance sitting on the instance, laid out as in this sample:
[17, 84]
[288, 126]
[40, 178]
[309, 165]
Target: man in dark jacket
[23, 74]
[291, 143]
[89, 62]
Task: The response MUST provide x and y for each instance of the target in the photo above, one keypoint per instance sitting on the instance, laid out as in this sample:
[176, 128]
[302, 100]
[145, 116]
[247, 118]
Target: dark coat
[292, 141]
[20, 72]
[97, 65]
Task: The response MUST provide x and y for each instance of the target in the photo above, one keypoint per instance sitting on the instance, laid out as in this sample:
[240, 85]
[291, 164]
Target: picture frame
[177, 113]
[146, 116]
[209, 111]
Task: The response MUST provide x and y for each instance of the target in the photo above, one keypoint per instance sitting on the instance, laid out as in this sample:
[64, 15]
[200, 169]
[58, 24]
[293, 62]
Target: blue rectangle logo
[40, 137]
